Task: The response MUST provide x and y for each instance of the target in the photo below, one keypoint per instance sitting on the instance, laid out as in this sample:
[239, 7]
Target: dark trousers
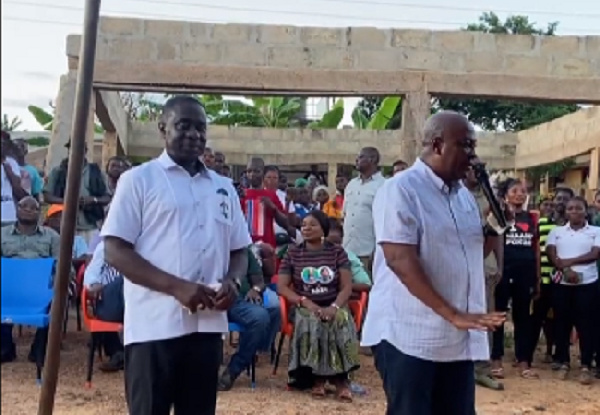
[260, 325]
[180, 373]
[419, 387]
[576, 306]
[516, 285]
[541, 308]
[37, 352]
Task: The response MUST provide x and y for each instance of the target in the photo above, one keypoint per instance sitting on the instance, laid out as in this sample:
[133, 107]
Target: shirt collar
[585, 227]
[168, 163]
[376, 175]
[435, 179]
[15, 230]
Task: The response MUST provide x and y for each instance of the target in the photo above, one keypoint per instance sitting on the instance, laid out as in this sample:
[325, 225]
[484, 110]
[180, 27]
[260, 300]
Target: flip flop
[344, 394]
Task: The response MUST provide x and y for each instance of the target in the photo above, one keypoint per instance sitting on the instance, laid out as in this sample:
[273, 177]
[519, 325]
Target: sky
[34, 31]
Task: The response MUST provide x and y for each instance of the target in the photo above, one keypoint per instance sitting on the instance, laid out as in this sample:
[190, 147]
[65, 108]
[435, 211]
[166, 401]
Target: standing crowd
[201, 249]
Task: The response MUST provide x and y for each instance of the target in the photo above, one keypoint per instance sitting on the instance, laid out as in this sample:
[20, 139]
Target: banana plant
[384, 114]
[331, 119]
[46, 120]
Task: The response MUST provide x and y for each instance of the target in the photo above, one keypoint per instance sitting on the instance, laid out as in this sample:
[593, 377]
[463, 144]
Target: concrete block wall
[568, 136]
[351, 48]
[301, 146]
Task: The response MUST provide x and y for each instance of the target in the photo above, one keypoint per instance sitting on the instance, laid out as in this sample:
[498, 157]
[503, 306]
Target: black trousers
[180, 373]
[415, 386]
[576, 306]
[541, 308]
[516, 287]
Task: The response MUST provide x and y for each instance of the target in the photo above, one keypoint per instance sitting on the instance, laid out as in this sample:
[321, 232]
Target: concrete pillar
[110, 146]
[574, 180]
[332, 171]
[594, 176]
[63, 120]
[545, 185]
[416, 108]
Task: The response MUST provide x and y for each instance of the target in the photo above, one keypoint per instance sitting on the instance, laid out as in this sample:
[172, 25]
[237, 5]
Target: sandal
[497, 373]
[318, 391]
[529, 374]
[344, 394]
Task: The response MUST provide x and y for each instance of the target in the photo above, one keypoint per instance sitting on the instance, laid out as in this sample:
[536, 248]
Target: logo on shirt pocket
[223, 202]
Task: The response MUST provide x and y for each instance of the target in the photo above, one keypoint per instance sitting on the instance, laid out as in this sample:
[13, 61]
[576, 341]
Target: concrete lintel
[166, 76]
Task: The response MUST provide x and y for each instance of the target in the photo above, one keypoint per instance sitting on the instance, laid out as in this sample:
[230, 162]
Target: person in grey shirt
[359, 235]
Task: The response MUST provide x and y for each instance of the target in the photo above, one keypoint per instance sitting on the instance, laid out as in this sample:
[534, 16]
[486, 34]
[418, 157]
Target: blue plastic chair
[236, 328]
[26, 294]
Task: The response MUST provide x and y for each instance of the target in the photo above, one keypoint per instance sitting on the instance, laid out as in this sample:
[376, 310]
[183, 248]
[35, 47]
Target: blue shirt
[37, 184]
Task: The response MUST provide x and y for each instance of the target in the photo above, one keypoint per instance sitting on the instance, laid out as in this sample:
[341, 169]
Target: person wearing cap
[93, 194]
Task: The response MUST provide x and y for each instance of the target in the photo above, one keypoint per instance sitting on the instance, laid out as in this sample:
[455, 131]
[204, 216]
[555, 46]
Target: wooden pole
[83, 95]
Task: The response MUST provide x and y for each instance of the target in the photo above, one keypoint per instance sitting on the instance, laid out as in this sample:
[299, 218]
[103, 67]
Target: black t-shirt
[520, 240]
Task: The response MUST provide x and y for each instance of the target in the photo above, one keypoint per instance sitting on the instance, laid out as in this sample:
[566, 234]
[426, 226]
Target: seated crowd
[299, 245]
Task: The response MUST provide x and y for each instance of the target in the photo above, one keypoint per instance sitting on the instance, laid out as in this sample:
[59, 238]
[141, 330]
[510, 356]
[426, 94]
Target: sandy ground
[20, 393]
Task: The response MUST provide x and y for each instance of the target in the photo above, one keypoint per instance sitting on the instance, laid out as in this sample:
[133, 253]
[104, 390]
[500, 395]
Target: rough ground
[20, 393]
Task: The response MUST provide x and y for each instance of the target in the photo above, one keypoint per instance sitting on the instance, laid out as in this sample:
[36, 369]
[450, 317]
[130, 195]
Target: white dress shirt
[417, 208]
[571, 243]
[186, 226]
[290, 209]
[98, 271]
[9, 206]
[359, 236]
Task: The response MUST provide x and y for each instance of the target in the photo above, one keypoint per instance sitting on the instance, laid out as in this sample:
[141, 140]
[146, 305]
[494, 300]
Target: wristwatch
[95, 200]
[257, 289]
[334, 305]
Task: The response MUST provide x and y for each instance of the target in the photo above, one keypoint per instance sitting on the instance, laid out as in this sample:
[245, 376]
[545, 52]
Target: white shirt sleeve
[124, 219]
[552, 237]
[93, 272]
[240, 238]
[395, 215]
[14, 166]
[597, 237]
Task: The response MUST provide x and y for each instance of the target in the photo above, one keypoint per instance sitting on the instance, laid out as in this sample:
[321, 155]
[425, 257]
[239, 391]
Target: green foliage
[552, 169]
[390, 107]
[332, 118]
[10, 124]
[38, 141]
[367, 109]
[43, 117]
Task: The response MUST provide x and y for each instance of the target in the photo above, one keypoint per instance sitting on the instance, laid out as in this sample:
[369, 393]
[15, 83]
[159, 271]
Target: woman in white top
[574, 250]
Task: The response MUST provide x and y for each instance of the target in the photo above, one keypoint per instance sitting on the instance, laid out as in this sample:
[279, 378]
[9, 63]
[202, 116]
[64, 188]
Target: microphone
[483, 179]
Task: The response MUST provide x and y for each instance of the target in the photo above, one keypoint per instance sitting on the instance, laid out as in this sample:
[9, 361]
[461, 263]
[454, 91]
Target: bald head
[441, 124]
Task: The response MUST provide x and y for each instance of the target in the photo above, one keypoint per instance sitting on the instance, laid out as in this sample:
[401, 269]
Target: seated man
[260, 324]
[26, 239]
[105, 301]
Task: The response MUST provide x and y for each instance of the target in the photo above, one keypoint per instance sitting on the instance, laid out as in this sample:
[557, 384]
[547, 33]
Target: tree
[507, 115]
[10, 124]
[367, 109]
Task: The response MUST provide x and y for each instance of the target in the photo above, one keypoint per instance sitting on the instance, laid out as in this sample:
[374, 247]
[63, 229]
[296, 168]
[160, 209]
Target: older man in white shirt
[427, 311]
[176, 231]
[359, 236]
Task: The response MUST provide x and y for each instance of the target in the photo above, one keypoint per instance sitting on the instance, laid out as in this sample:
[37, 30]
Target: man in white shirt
[176, 231]
[359, 236]
[427, 311]
[12, 191]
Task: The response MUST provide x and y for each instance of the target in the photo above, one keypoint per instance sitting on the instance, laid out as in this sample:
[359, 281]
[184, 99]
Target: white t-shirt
[290, 208]
[9, 207]
[571, 243]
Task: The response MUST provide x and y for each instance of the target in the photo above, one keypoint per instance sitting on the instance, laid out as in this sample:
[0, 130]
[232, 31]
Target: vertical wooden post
[83, 95]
